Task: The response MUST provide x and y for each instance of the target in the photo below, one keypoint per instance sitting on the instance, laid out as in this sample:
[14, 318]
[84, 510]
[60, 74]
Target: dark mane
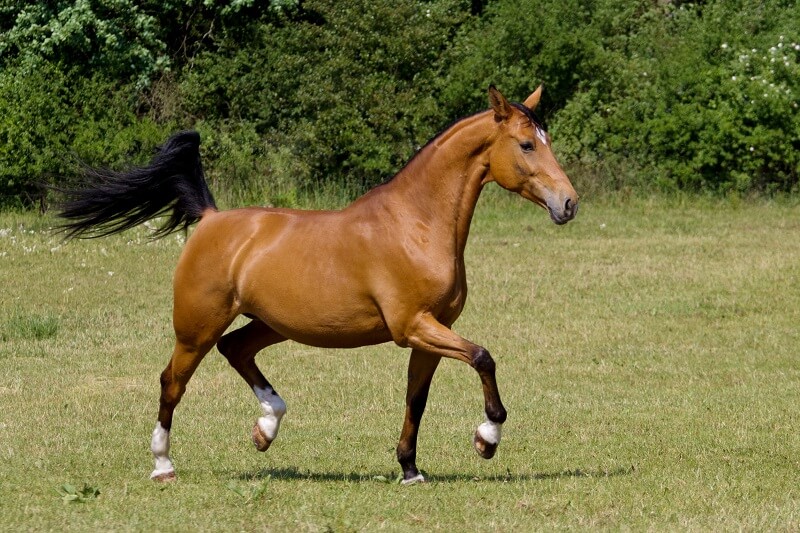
[534, 118]
[431, 140]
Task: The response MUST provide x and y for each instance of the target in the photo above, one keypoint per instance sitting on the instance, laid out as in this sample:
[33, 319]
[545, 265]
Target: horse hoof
[419, 478]
[260, 440]
[484, 448]
[163, 477]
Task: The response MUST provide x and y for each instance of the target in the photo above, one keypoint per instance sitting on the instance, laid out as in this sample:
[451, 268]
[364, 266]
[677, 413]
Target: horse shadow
[294, 474]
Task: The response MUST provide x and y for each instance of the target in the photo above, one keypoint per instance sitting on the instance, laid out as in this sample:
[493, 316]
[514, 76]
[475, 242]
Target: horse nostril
[568, 205]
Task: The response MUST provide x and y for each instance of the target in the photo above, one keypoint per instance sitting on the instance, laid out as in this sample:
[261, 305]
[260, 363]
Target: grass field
[648, 354]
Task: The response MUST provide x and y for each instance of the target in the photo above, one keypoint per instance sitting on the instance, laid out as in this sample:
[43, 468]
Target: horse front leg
[487, 436]
[430, 336]
[421, 367]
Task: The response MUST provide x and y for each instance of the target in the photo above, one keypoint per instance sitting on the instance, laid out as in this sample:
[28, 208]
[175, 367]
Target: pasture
[648, 355]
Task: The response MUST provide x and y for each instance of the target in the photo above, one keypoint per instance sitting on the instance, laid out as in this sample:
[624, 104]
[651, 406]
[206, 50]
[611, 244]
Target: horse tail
[173, 184]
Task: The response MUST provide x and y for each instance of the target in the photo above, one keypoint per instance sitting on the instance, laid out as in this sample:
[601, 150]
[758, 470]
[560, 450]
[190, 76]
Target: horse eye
[526, 146]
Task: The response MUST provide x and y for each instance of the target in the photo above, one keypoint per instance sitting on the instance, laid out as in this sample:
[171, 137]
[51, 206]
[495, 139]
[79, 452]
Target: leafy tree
[339, 90]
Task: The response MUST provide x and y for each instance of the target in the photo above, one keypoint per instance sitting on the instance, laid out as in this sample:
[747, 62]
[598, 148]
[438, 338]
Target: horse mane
[530, 114]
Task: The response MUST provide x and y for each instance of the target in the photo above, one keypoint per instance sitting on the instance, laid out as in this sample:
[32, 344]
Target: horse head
[522, 161]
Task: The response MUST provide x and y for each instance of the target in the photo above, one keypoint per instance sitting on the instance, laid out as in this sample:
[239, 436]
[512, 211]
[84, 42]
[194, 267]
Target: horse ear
[502, 109]
[533, 100]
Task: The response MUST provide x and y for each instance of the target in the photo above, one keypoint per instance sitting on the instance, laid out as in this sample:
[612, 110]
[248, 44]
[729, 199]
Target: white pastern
[419, 478]
[159, 445]
[490, 432]
[274, 408]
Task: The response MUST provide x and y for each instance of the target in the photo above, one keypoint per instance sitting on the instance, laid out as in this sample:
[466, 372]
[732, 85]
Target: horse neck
[443, 181]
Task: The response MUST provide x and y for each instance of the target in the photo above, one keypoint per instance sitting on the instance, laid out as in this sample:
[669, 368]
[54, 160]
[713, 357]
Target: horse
[388, 267]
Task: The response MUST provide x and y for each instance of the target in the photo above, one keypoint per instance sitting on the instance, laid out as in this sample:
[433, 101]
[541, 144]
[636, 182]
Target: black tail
[109, 202]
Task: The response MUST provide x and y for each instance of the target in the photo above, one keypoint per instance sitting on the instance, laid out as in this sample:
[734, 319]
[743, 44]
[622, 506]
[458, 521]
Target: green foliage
[699, 98]
[295, 98]
[50, 119]
[349, 99]
[252, 493]
[116, 37]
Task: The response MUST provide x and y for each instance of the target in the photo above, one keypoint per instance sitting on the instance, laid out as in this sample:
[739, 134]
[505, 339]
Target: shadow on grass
[353, 477]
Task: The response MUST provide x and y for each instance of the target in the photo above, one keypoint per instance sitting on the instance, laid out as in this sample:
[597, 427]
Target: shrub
[50, 121]
[705, 98]
[339, 92]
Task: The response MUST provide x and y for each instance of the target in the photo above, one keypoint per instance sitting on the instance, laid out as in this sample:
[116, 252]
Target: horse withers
[389, 267]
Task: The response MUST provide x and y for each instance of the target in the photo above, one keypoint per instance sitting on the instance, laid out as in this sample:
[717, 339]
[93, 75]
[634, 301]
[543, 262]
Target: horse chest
[452, 295]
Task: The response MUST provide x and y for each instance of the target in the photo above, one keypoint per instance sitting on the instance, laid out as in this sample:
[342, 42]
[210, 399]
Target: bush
[293, 98]
[705, 98]
[340, 92]
[50, 121]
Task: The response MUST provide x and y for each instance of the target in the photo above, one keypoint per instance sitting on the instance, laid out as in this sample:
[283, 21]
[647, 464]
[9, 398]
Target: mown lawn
[648, 354]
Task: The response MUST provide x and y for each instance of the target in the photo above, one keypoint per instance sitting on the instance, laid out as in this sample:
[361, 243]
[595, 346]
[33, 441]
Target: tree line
[294, 95]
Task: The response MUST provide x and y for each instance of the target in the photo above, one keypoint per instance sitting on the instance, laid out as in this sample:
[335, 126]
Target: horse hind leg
[198, 326]
[185, 359]
[240, 348]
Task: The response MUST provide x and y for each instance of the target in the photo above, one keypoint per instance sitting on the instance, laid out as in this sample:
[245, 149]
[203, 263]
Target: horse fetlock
[266, 428]
[496, 414]
[487, 438]
[159, 445]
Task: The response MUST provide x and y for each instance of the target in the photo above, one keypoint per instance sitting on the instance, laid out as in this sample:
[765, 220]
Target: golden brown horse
[389, 267]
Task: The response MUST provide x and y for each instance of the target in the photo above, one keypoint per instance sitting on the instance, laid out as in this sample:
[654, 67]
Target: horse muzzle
[563, 211]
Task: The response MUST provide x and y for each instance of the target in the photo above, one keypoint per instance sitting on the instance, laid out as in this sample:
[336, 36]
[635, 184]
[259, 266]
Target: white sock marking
[490, 432]
[274, 408]
[159, 445]
[419, 478]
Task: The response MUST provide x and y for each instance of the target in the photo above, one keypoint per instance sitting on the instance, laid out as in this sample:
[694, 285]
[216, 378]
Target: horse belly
[332, 327]
[314, 307]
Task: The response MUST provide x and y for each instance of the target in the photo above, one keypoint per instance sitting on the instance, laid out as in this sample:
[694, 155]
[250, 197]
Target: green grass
[648, 354]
